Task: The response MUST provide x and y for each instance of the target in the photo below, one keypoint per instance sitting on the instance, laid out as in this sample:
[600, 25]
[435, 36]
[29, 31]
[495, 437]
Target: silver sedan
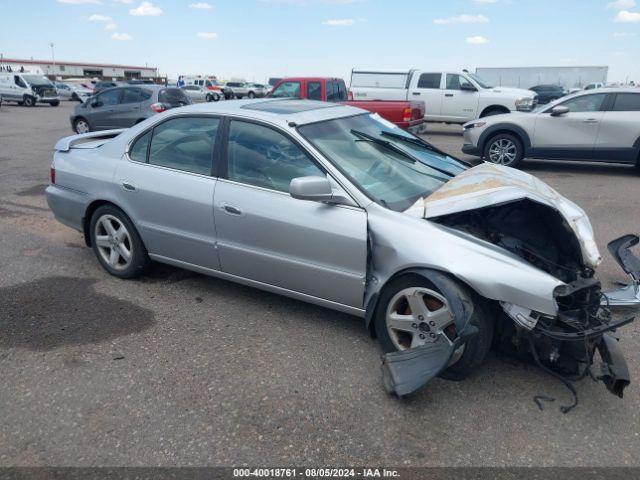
[333, 205]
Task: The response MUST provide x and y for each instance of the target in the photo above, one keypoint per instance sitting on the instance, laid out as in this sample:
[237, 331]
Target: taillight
[158, 107]
[406, 115]
[350, 95]
[52, 175]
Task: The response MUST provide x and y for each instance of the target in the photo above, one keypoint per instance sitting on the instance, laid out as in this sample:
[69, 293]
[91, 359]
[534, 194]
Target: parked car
[201, 94]
[28, 89]
[594, 85]
[72, 91]
[405, 114]
[122, 107]
[334, 206]
[103, 85]
[451, 97]
[244, 89]
[548, 93]
[258, 89]
[209, 82]
[601, 125]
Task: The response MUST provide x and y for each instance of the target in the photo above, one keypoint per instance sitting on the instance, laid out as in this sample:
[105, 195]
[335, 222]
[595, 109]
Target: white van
[27, 89]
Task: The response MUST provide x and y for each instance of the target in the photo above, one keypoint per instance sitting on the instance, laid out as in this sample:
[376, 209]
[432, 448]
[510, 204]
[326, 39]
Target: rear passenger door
[459, 104]
[166, 186]
[267, 236]
[127, 112]
[427, 88]
[619, 134]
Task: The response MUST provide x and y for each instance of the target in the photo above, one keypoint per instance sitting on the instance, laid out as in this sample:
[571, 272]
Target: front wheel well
[502, 131]
[494, 110]
[86, 220]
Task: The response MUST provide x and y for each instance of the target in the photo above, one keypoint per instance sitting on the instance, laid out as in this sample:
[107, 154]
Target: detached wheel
[116, 243]
[29, 101]
[504, 149]
[80, 126]
[412, 312]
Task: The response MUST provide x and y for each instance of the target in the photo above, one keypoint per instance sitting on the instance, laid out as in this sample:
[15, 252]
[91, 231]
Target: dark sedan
[548, 93]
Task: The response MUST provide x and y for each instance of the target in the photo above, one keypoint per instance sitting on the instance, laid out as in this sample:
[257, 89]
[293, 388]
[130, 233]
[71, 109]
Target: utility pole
[53, 60]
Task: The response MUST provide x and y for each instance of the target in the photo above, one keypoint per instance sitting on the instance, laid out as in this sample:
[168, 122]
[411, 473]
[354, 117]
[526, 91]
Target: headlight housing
[478, 124]
[526, 104]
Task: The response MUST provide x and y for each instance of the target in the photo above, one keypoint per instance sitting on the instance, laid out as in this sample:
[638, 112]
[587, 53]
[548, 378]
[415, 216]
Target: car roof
[308, 79]
[280, 111]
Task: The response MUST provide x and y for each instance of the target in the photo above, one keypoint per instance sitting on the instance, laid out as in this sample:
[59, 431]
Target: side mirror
[316, 189]
[96, 104]
[467, 87]
[559, 111]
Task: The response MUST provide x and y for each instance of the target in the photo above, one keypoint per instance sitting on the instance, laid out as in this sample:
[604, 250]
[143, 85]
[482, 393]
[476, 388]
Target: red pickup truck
[404, 114]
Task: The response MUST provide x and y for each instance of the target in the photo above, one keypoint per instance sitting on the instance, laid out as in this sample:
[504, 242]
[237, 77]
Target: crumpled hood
[488, 184]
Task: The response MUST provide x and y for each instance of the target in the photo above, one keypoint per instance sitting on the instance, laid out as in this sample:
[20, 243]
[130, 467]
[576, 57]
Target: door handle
[128, 186]
[416, 93]
[448, 94]
[231, 210]
[590, 120]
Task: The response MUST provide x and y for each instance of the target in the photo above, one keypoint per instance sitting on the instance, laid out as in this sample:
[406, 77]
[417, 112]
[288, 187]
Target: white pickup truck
[451, 97]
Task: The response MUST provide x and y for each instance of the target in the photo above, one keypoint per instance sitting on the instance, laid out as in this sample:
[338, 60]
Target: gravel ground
[180, 369]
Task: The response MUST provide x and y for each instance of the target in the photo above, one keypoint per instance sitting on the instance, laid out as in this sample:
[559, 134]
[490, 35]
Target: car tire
[251, 95]
[55, 103]
[468, 357]
[113, 244]
[216, 97]
[28, 101]
[81, 125]
[75, 97]
[208, 98]
[504, 149]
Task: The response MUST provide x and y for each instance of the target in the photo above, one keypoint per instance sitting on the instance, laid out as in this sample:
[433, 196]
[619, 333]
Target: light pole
[53, 60]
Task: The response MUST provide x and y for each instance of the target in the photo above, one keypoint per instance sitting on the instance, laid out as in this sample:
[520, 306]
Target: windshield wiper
[421, 143]
[384, 143]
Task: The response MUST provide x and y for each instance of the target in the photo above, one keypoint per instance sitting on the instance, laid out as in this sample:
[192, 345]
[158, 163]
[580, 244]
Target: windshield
[479, 80]
[391, 166]
[37, 80]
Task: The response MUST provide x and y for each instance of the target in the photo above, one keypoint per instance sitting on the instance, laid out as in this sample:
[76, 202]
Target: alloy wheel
[503, 151]
[114, 242]
[82, 126]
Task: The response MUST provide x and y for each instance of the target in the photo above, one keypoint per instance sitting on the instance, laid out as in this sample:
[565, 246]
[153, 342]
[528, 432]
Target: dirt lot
[180, 369]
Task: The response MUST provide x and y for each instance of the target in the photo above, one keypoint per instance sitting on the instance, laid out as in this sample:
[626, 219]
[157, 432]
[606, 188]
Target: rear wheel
[251, 95]
[412, 312]
[80, 125]
[216, 97]
[55, 103]
[116, 243]
[504, 149]
[208, 98]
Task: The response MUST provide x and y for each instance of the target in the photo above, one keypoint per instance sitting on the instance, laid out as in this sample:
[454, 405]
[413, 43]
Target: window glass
[145, 95]
[314, 91]
[185, 144]
[19, 82]
[627, 102]
[429, 80]
[342, 91]
[331, 91]
[585, 103]
[130, 95]
[262, 157]
[454, 81]
[138, 151]
[287, 90]
[110, 97]
[173, 96]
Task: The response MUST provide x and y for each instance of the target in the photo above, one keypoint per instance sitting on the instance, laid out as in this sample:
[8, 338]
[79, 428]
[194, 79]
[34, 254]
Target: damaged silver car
[335, 206]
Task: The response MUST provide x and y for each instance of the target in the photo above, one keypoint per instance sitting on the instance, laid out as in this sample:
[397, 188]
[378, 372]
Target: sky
[257, 39]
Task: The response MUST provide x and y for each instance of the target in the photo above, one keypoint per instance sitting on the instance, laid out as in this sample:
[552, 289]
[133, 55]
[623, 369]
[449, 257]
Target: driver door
[102, 115]
[265, 235]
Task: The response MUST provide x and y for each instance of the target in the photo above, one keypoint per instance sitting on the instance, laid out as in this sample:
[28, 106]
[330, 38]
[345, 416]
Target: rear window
[627, 102]
[173, 96]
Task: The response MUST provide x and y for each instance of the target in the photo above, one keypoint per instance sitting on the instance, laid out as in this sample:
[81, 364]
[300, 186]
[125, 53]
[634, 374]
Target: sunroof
[287, 106]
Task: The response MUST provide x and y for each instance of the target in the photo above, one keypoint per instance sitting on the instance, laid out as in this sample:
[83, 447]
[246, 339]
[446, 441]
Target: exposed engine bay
[563, 345]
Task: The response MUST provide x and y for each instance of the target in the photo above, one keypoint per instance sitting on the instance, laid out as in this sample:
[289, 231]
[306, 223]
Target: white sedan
[201, 94]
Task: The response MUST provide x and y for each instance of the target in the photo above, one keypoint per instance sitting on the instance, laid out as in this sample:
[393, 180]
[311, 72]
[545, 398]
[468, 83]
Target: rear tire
[467, 358]
[55, 103]
[208, 98]
[116, 243]
[504, 149]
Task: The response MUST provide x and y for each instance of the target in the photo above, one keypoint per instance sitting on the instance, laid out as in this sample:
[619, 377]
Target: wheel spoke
[124, 252]
[103, 241]
[120, 233]
[441, 318]
[114, 257]
[402, 323]
[416, 341]
[416, 303]
[106, 223]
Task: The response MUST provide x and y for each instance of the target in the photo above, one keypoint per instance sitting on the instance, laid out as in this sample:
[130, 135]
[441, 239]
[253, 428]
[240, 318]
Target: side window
[627, 102]
[138, 151]
[430, 80]
[20, 82]
[585, 103]
[130, 95]
[262, 157]
[331, 91]
[454, 81]
[287, 90]
[109, 98]
[185, 144]
[314, 90]
[145, 95]
[342, 91]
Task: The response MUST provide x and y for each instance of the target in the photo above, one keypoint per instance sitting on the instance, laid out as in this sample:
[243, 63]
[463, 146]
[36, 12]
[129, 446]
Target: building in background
[60, 70]
[527, 77]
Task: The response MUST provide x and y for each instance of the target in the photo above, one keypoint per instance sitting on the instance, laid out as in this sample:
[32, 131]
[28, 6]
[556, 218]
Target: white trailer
[527, 77]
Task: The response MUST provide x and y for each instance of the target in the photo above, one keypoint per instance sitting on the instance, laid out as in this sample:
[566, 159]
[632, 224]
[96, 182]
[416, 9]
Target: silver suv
[598, 125]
